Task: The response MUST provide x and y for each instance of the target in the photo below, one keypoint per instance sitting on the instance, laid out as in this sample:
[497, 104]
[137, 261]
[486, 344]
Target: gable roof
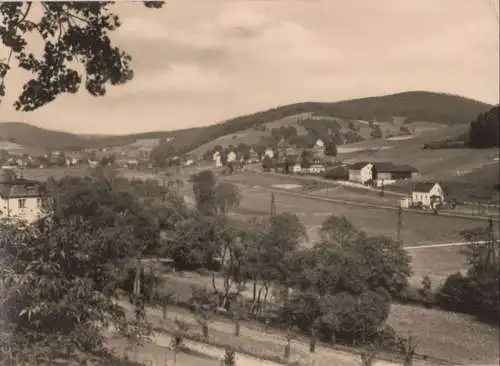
[359, 165]
[388, 167]
[20, 188]
[423, 186]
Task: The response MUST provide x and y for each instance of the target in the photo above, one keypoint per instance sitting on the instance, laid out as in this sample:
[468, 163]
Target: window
[21, 203]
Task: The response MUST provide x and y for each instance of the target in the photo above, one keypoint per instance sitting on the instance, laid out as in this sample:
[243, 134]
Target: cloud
[198, 62]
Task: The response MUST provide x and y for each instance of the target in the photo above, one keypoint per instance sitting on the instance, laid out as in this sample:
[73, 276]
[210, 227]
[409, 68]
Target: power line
[273, 205]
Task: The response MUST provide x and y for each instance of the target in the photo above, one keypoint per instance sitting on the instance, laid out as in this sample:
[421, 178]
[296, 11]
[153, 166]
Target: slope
[416, 105]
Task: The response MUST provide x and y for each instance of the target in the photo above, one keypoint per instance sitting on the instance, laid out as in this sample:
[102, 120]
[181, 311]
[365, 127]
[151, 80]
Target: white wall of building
[26, 208]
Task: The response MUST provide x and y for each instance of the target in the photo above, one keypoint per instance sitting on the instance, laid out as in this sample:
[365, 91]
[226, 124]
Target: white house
[231, 156]
[361, 172]
[316, 168]
[296, 168]
[428, 193]
[253, 157]
[269, 152]
[92, 163]
[19, 198]
[217, 158]
[319, 144]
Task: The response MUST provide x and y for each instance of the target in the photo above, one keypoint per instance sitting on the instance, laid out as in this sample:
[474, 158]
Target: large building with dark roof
[19, 198]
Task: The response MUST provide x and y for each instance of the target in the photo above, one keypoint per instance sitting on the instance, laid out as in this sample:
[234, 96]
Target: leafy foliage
[483, 131]
[58, 282]
[77, 48]
[477, 292]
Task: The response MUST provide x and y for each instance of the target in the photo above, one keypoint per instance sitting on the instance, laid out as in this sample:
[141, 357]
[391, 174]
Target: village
[287, 159]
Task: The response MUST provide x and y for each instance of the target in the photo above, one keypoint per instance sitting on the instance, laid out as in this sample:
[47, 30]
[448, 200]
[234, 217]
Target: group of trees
[340, 288]
[477, 292]
[484, 131]
[60, 275]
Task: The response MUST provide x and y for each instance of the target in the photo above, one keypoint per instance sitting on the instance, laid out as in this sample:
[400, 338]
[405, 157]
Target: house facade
[428, 193]
[319, 148]
[269, 153]
[388, 173]
[231, 156]
[360, 172]
[19, 198]
[253, 157]
[217, 159]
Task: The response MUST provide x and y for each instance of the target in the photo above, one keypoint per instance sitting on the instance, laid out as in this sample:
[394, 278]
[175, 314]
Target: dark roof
[423, 186]
[359, 165]
[387, 167]
[20, 188]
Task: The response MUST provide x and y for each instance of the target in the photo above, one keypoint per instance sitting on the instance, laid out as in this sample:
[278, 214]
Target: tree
[477, 292]
[229, 358]
[344, 282]
[211, 197]
[73, 33]
[59, 281]
[376, 132]
[331, 148]
[483, 132]
[267, 163]
[307, 158]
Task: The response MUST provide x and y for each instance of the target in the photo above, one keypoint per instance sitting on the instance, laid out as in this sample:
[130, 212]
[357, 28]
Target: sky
[199, 62]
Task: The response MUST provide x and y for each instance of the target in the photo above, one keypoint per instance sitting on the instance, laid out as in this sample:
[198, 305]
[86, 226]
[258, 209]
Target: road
[444, 245]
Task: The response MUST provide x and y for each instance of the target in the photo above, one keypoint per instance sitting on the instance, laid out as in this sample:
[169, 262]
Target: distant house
[269, 152]
[380, 173]
[218, 159]
[319, 147]
[389, 173]
[428, 193]
[253, 157]
[19, 198]
[231, 156]
[361, 172]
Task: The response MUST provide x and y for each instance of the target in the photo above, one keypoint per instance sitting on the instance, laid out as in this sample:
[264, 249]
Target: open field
[417, 228]
[255, 340]
[160, 355]
[453, 337]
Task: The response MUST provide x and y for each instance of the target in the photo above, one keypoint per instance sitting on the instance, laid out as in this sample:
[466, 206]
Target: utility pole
[273, 204]
[400, 222]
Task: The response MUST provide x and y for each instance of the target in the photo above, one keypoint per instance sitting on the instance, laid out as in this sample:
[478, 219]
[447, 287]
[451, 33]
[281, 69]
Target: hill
[28, 135]
[439, 108]
[417, 105]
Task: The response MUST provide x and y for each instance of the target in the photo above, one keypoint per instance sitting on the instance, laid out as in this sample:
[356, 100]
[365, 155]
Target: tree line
[61, 274]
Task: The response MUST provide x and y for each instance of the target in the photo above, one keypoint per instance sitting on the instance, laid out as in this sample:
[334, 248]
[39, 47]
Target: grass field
[453, 337]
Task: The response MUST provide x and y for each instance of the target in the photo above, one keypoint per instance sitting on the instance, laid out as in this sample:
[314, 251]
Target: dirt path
[323, 356]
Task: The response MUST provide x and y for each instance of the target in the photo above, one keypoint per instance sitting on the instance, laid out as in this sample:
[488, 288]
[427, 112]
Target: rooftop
[19, 188]
[423, 186]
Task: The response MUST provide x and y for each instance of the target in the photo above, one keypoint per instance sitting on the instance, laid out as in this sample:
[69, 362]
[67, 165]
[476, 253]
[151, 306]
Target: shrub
[456, 294]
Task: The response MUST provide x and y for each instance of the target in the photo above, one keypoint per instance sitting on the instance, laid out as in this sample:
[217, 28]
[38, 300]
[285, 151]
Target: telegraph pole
[400, 222]
[273, 204]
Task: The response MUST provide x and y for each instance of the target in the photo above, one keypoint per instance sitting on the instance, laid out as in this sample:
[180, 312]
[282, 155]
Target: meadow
[442, 335]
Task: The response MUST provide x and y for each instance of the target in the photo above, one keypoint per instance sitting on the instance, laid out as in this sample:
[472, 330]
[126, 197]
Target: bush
[456, 294]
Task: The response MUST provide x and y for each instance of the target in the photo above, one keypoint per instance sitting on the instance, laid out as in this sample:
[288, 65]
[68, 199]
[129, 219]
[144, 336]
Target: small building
[317, 168]
[296, 168]
[389, 173]
[231, 156]
[405, 202]
[218, 159]
[19, 198]
[361, 172]
[429, 194]
[269, 153]
[253, 157]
